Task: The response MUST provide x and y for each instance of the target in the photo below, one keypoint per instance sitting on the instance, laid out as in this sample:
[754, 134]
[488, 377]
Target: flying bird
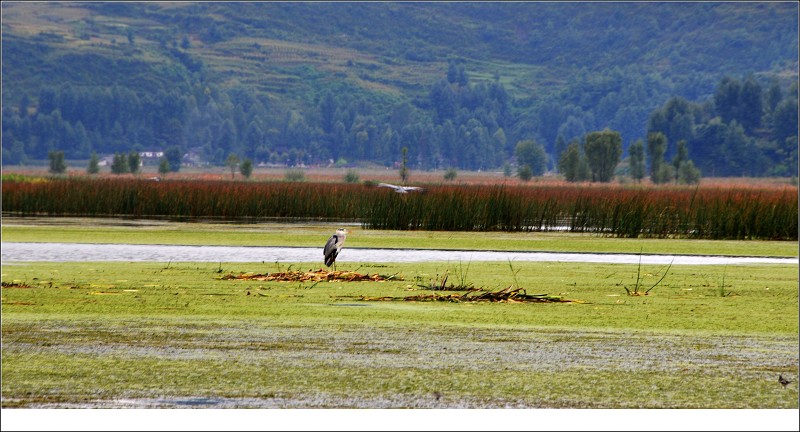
[401, 189]
[333, 246]
[784, 382]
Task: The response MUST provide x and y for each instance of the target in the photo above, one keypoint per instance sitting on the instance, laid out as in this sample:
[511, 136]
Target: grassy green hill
[613, 64]
[396, 48]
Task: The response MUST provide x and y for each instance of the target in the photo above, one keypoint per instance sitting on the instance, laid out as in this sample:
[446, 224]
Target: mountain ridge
[608, 64]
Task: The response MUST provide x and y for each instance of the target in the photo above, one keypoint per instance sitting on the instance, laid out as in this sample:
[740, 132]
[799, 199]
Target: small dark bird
[784, 382]
[333, 246]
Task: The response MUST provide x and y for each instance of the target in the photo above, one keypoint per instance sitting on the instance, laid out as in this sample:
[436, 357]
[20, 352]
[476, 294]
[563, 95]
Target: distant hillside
[531, 70]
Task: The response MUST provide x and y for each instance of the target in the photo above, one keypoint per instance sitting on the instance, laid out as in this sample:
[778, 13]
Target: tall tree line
[746, 128]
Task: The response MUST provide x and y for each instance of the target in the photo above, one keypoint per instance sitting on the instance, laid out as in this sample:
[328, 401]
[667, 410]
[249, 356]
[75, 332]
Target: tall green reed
[710, 213]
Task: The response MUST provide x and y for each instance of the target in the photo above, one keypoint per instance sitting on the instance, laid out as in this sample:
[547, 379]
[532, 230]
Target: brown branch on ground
[15, 285]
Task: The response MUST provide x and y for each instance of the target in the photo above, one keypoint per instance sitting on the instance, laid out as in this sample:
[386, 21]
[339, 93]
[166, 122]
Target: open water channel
[61, 252]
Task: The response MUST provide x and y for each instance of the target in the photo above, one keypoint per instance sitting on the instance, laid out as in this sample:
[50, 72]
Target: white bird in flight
[401, 189]
[333, 246]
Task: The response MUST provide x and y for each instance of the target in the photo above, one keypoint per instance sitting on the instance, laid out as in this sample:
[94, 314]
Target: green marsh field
[198, 334]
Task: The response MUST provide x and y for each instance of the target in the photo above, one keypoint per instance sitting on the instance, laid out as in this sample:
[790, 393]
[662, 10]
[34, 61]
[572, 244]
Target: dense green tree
[500, 140]
[603, 151]
[773, 97]
[785, 120]
[404, 171]
[463, 78]
[94, 164]
[164, 166]
[47, 100]
[134, 162]
[664, 174]
[443, 100]
[227, 140]
[637, 160]
[750, 109]
[232, 162]
[729, 150]
[681, 158]
[550, 117]
[524, 172]
[452, 72]
[327, 110]
[173, 132]
[656, 149]
[726, 98]
[738, 152]
[560, 147]
[676, 120]
[81, 142]
[57, 163]
[707, 146]
[120, 164]
[573, 164]
[531, 154]
[246, 168]
[174, 156]
[688, 173]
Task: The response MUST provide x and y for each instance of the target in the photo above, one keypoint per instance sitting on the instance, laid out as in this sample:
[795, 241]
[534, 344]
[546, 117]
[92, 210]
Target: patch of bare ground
[454, 358]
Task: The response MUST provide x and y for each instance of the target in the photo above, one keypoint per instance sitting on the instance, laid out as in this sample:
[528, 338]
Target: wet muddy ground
[473, 352]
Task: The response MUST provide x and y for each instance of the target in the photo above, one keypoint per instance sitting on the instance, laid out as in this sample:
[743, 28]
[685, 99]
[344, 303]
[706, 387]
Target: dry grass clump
[313, 276]
[506, 295]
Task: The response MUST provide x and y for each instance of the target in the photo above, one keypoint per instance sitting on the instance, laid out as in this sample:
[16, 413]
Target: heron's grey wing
[388, 186]
[330, 251]
[330, 245]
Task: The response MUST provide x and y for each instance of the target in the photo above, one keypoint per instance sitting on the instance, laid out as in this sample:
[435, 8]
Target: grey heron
[401, 189]
[333, 246]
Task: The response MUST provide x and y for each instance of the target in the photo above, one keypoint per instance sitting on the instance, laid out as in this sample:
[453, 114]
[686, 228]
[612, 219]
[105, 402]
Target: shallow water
[61, 252]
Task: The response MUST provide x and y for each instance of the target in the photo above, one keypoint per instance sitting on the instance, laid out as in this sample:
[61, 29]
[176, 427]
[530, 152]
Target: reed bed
[734, 212]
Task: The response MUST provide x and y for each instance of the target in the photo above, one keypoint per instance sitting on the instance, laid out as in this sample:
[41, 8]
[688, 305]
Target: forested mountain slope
[458, 84]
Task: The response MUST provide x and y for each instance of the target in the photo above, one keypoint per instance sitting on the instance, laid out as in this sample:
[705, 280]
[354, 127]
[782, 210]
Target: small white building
[151, 155]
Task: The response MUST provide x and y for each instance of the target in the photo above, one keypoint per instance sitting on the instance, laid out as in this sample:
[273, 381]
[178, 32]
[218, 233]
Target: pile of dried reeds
[506, 295]
[313, 276]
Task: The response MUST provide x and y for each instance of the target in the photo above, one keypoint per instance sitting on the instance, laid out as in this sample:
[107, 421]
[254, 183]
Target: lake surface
[62, 252]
